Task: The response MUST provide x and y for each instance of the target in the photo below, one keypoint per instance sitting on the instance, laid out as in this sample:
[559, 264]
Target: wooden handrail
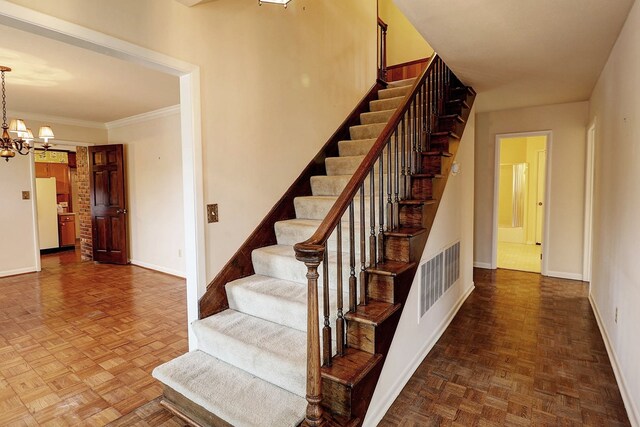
[382, 24]
[315, 244]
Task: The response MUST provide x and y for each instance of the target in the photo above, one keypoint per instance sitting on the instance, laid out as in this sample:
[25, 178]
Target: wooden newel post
[312, 259]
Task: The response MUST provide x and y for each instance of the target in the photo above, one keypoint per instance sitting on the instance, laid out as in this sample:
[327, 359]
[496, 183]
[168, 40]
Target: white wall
[275, 84]
[616, 230]
[568, 123]
[154, 190]
[413, 339]
[17, 244]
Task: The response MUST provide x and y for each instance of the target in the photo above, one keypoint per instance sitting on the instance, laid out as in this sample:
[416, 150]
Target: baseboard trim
[632, 411]
[158, 268]
[18, 271]
[563, 275]
[393, 392]
[485, 265]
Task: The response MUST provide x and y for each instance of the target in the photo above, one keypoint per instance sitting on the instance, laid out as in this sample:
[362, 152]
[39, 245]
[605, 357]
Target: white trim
[159, 268]
[486, 265]
[34, 213]
[375, 415]
[588, 202]
[57, 120]
[629, 404]
[547, 196]
[39, 23]
[15, 272]
[564, 275]
[139, 118]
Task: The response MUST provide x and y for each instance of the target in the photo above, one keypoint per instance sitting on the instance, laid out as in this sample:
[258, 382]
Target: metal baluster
[381, 209]
[352, 258]
[373, 258]
[326, 331]
[396, 175]
[389, 190]
[363, 250]
[403, 150]
[340, 318]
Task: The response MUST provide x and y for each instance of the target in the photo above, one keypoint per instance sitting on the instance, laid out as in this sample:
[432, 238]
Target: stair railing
[382, 50]
[384, 178]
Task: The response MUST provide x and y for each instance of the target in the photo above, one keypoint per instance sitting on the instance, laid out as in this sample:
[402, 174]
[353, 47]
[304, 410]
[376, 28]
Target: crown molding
[139, 118]
[57, 119]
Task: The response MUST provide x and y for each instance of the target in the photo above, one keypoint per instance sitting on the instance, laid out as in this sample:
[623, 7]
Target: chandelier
[9, 146]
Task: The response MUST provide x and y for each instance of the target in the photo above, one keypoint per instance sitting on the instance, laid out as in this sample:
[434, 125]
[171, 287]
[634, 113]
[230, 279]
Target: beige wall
[275, 85]
[566, 219]
[413, 338]
[66, 132]
[404, 43]
[154, 192]
[16, 215]
[615, 282]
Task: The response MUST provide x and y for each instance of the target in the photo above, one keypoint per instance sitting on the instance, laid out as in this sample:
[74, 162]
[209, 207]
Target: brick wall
[84, 203]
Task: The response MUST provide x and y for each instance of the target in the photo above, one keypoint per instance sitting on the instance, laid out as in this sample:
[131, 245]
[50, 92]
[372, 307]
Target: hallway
[78, 340]
[523, 350]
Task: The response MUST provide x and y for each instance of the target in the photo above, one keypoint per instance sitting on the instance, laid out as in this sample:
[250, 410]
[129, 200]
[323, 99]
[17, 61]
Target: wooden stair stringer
[389, 283]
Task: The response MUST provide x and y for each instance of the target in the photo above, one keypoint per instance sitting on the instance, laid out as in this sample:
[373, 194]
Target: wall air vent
[438, 275]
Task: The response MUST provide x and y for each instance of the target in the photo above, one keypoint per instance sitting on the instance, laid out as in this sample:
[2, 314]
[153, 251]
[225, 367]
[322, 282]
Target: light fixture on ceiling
[283, 2]
[9, 146]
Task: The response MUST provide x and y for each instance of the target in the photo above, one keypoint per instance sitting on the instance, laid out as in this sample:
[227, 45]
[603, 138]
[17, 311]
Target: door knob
[121, 211]
[539, 203]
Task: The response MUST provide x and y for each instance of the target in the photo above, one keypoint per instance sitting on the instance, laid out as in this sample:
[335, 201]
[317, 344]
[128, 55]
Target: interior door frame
[588, 201]
[547, 196]
[48, 26]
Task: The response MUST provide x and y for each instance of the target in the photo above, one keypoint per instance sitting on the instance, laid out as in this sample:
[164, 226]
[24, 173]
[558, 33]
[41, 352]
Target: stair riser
[313, 208]
[355, 148]
[371, 338]
[404, 249]
[348, 165]
[431, 164]
[450, 124]
[440, 143]
[384, 288]
[455, 107]
[421, 188]
[414, 215]
[333, 185]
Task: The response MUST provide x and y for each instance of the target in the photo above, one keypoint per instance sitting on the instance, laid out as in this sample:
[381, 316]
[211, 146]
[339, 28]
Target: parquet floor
[524, 350]
[78, 341]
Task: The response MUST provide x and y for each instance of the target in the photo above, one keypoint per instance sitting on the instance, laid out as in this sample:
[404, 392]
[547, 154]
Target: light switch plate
[26, 195]
[212, 213]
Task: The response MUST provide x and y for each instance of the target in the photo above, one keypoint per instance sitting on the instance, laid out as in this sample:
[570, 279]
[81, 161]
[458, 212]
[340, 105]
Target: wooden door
[108, 205]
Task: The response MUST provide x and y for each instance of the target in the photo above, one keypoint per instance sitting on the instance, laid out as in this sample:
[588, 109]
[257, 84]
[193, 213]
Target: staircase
[258, 362]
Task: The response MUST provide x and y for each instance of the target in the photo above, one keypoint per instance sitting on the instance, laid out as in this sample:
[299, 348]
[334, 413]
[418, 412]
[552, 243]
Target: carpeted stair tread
[346, 165]
[399, 83]
[366, 131]
[276, 300]
[332, 185]
[376, 117]
[386, 104]
[234, 395]
[279, 261]
[393, 92]
[317, 207]
[358, 147]
[265, 349]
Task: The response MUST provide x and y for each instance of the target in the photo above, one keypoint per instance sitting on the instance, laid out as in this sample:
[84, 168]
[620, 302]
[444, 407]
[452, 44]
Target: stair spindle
[352, 258]
[340, 318]
[373, 260]
[381, 208]
[396, 176]
[363, 250]
[403, 161]
[326, 330]
[389, 188]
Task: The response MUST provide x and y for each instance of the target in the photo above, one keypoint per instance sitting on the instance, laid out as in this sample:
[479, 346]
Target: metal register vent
[437, 276]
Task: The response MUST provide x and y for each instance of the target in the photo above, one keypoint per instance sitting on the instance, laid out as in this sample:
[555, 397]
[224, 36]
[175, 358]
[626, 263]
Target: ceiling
[53, 78]
[525, 52]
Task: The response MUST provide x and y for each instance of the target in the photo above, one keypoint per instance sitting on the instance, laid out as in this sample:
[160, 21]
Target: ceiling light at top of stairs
[283, 2]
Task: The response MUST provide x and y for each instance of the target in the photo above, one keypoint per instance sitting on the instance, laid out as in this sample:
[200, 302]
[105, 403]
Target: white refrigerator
[47, 212]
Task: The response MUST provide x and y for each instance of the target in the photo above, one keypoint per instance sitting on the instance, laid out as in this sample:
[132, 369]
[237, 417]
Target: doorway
[520, 204]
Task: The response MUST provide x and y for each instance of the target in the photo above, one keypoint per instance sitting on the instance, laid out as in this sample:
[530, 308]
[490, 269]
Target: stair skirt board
[230, 393]
[251, 366]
